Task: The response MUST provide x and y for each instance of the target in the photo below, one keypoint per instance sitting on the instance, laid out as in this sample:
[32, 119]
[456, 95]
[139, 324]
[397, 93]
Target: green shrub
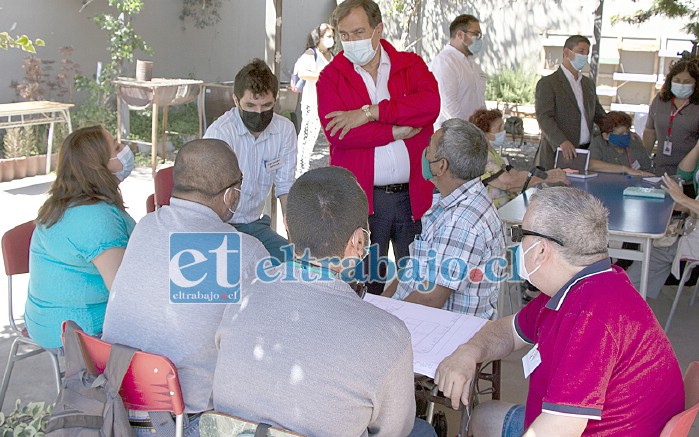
[514, 86]
[25, 421]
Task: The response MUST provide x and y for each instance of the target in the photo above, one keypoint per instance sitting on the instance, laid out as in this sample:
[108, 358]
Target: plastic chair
[151, 383]
[15, 254]
[150, 203]
[214, 424]
[163, 190]
[680, 425]
[688, 268]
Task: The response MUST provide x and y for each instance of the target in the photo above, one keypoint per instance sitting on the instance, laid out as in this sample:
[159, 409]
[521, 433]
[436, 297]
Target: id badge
[531, 361]
[635, 165]
[273, 164]
[667, 148]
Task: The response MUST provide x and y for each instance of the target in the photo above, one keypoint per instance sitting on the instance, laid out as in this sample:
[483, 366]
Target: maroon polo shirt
[604, 356]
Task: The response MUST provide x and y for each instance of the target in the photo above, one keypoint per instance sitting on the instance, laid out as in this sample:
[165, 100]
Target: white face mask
[682, 90]
[231, 211]
[521, 268]
[360, 52]
[499, 138]
[126, 157]
[329, 42]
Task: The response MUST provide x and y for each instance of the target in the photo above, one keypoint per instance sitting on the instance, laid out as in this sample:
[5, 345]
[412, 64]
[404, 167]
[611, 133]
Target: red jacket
[414, 102]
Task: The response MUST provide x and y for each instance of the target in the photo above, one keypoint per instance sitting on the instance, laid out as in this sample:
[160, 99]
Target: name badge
[635, 165]
[667, 148]
[531, 361]
[273, 164]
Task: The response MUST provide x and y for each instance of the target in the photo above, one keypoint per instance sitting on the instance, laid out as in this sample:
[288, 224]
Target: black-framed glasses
[517, 233]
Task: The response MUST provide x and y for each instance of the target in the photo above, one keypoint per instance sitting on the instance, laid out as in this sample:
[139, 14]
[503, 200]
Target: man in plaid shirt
[456, 261]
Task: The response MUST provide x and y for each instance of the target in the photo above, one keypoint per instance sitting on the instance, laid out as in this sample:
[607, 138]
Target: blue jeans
[513, 425]
[167, 429]
[422, 429]
[262, 230]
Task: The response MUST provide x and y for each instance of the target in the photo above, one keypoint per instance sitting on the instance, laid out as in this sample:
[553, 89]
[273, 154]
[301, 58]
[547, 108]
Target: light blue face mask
[476, 45]
[127, 163]
[579, 62]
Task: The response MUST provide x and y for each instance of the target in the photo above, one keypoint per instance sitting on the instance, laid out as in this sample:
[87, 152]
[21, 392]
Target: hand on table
[455, 374]
[568, 150]
[405, 132]
[343, 121]
[634, 172]
[557, 175]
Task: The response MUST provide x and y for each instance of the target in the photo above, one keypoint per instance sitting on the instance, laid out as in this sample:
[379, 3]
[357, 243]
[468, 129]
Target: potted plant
[26, 421]
[32, 146]
[15, 162]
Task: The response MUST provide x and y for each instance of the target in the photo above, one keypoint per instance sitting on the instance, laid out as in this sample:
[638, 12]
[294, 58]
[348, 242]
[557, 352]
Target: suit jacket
[558, 114]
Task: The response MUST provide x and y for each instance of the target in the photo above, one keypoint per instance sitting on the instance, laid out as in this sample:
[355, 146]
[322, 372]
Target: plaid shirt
[462, 227]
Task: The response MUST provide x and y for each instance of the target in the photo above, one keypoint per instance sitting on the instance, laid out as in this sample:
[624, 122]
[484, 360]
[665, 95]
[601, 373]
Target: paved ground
[31, 380]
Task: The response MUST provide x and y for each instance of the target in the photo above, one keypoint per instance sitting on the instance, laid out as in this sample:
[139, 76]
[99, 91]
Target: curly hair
[483, 118]
[256, 77]
[614, 119]
[690, 66]
[82, 176]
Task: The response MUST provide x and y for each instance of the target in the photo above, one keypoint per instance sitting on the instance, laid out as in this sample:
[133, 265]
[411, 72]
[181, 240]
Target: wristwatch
[367, 112]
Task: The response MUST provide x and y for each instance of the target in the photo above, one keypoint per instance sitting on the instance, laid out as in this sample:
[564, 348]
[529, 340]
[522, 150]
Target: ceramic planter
[32, 166]
[8, 169]
[41, 169]
[20, 167]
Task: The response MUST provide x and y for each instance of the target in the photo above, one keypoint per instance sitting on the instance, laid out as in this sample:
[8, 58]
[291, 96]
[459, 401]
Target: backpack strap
[73, 347]
[261, 430]
[118, 363]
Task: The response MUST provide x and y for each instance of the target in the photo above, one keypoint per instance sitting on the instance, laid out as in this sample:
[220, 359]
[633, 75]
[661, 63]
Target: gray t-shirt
[139, 312]
[685, 132]
[315, 359]
[602, 150]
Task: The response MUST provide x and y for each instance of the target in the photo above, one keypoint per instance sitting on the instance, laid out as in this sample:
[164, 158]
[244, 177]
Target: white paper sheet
[435, 333]
[654, 180]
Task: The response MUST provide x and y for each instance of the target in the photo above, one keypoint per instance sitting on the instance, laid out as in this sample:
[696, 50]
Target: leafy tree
[21, 42]
[683, 9]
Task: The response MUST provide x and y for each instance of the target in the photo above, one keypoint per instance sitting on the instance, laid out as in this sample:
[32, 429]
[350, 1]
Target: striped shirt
[269, 158]
[461, 233]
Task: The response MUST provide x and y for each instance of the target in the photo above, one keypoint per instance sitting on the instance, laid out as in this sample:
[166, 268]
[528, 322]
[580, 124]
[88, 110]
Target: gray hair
[465, 147]
[575, 218]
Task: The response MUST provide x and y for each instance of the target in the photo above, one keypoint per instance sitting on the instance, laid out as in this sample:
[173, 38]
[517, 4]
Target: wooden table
[631, 219]
[23, 114]
[157, 93]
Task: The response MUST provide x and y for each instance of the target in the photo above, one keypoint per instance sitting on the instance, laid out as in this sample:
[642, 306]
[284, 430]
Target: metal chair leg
[56, 371]
[685, 277]
[694, 295]
[8, 371]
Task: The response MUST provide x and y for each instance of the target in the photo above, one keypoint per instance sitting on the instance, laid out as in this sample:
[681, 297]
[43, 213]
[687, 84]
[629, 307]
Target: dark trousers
[391, 223]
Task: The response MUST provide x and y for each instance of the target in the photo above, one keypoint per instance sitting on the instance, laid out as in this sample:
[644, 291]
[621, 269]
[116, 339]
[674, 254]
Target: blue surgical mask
[127, 163]
[579, 62]
[620, 140]
[360, 52]
[476, 45]
[518, 260]
[682, 90]
[499, 138]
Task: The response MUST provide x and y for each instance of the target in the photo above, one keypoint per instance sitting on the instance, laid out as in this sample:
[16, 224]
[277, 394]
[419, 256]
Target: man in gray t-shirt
[139, 313]
[303, 351]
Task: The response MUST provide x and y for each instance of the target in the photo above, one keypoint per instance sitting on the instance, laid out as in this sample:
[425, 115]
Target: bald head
[204, 168]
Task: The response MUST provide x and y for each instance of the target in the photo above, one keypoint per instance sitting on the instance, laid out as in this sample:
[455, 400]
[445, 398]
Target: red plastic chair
[15, 254]
[150, 203]
[680, 425]
[163, 186]
[688, 268]
[150, 384]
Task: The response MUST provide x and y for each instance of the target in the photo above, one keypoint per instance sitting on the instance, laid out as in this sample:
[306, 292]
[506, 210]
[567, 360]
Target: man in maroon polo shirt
[599, 363]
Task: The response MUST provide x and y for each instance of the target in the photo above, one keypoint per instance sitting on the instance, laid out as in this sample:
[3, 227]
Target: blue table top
[643, 217]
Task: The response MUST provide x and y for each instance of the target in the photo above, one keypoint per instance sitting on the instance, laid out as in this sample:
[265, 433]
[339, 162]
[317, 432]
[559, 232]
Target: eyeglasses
[476, 35]
[517, 233]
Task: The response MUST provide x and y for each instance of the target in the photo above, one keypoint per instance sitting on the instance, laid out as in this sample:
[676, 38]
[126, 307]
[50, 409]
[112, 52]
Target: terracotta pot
[20, 167]
[8, 169]
[54, 161]
[41, 167]
[32, 166]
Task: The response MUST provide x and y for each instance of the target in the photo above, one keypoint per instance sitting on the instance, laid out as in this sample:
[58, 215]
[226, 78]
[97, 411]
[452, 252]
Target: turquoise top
[64, 284]
[690, 176]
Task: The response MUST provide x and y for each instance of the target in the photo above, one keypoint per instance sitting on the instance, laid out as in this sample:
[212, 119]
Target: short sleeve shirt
[64, 283]
[604, 357]
[602, 150]
[685, 132]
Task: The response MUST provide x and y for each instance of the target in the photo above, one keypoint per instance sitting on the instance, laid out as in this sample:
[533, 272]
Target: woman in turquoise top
[688, 169]
[80, 236]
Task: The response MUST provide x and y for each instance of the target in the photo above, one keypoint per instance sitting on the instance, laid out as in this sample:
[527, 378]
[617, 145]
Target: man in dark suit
[567, 105]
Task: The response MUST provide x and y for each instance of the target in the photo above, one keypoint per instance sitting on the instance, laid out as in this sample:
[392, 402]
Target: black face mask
[256, 121]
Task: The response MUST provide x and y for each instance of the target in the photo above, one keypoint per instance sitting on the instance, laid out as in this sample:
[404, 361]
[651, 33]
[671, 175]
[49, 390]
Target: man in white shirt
[265, 144]
[567, 105]
[461, 80]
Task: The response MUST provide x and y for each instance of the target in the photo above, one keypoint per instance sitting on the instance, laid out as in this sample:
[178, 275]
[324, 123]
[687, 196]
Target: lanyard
[628, 155]
[673, 114]
[324, 272]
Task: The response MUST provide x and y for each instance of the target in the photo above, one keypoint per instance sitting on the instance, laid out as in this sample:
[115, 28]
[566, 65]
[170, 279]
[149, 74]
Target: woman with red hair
[617, 151]
[503, 181]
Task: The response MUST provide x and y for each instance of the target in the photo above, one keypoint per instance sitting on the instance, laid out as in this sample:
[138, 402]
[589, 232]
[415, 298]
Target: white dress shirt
[576, 84]
[270, 158]
[461, 84]
[391, 162]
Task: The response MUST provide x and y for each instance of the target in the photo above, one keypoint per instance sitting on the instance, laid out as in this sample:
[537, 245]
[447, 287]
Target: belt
[584, 146]
[393, 188]
[146, 422]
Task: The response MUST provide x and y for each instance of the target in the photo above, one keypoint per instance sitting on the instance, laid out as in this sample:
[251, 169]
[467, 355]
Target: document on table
[435, 333]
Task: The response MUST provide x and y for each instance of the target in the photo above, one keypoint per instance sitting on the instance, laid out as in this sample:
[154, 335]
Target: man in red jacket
[377, 107]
